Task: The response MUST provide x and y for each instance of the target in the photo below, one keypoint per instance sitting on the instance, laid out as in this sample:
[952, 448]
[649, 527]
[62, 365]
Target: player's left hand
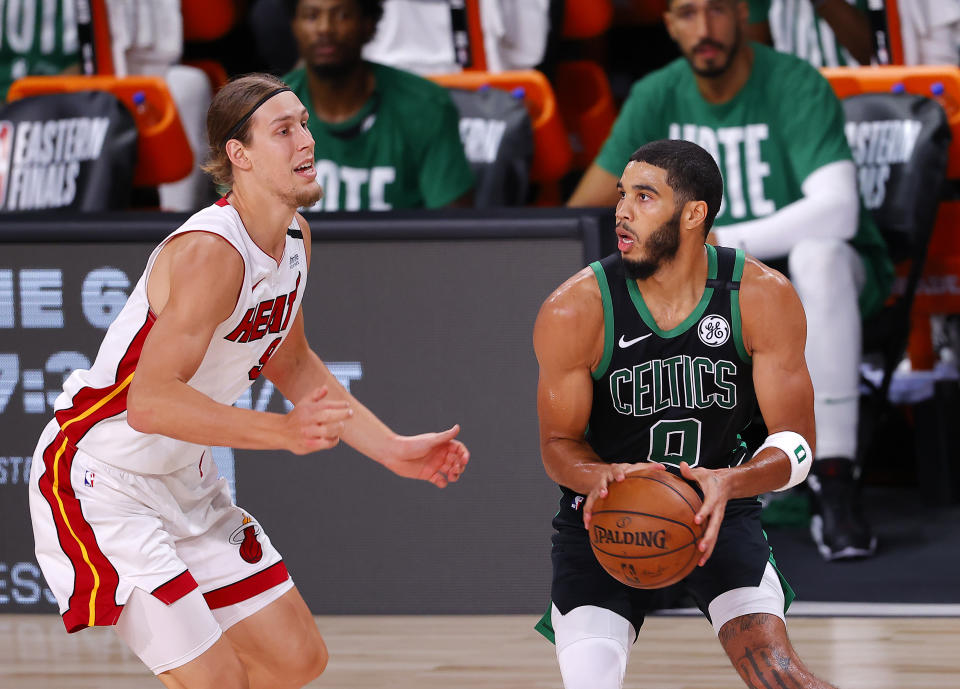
[715, 496]
[434, 457]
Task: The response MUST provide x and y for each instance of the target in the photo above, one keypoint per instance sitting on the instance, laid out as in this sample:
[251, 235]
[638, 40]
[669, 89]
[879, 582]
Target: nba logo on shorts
[6, 156]
[88, 477]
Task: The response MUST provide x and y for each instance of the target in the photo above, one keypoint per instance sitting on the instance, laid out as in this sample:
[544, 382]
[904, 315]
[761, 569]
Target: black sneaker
[837, 525]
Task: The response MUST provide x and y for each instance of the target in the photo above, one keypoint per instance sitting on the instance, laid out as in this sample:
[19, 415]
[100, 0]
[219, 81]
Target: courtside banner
[66, 151]
[426, 332]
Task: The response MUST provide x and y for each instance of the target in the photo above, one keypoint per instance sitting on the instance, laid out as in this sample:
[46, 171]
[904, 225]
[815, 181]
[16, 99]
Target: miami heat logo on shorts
[245, 536]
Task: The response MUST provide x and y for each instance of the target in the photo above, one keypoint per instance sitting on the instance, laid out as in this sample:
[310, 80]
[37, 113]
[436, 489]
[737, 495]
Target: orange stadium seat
[163, 152]
[552, 155]
[586, 18]
[586, 106]
[207, 20]
[101, 36]
[939, 290]
[893, 31]
[646, 11]
[478, 55]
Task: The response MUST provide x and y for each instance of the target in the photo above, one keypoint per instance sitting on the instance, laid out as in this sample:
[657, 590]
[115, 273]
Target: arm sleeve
[829, 209]
[445, 173]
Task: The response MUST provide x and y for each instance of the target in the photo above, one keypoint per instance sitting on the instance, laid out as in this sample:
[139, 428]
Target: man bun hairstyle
[692, 173]
[227, 107]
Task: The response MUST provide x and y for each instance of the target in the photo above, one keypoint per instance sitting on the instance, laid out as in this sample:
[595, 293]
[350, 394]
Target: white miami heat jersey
[92, 410]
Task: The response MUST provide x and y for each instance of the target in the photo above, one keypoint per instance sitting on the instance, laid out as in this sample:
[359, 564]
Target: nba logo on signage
[6, 153]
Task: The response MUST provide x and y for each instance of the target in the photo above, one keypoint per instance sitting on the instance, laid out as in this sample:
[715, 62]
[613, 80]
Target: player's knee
[231, 674]
[305, 660]
[316, 660]
[593, 663]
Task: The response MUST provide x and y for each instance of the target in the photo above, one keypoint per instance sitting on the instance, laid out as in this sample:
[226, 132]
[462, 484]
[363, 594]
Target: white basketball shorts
[101, 532]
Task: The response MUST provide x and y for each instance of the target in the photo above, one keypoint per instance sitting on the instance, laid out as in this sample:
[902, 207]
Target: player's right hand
[610, 473]
[316, 423]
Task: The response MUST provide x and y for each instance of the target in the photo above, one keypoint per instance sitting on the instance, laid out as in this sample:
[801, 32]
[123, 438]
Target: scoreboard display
[427, 333]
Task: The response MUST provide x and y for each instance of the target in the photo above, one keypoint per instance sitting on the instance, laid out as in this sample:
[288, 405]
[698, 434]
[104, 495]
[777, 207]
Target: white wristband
[797, 451]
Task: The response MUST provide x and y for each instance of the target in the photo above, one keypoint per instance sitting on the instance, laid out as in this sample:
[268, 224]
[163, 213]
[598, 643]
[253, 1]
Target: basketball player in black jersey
[651, 360]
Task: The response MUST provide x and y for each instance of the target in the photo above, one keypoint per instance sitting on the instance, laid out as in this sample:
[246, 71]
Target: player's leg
[280, 645]
[593, 645]
[746, 600]
[106, 554]
[759, 649]
[181, 642]
[828, 276]
[594, 617]
[245, 584]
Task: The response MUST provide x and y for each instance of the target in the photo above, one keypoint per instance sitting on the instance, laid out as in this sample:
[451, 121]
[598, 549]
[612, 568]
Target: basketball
[643, 532]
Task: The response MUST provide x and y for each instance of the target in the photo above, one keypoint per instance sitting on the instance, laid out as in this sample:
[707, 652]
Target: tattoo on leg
[781, 660]
[762, 666]
[767, 669]
[744, 624]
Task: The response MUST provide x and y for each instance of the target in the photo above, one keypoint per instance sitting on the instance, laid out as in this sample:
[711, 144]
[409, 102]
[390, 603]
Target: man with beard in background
[776, 130]
[385, 138]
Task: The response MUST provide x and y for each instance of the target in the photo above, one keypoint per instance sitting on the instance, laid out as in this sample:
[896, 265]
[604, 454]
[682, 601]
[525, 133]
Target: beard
[660, 248]
[306, 198]
[717, 70]
[333, 71]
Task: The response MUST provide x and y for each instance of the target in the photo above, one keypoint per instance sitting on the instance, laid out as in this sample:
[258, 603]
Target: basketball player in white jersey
[133, 526]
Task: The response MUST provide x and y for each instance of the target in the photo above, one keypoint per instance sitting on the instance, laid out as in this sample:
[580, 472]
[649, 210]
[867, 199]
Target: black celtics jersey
[670, 396]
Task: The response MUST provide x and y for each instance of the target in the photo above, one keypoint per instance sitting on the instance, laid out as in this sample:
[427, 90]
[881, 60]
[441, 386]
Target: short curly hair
[371, 9]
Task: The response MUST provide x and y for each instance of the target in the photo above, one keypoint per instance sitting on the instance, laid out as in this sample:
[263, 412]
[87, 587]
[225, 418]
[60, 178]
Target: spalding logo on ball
[643, 532]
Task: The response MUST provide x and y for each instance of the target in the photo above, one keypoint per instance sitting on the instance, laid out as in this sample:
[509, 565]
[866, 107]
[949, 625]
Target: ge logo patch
[714, 331]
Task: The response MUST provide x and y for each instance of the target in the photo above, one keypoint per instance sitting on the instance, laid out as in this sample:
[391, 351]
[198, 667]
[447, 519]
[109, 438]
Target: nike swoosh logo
[626, 343]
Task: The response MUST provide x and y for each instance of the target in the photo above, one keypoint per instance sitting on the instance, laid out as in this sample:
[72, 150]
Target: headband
[235, 128]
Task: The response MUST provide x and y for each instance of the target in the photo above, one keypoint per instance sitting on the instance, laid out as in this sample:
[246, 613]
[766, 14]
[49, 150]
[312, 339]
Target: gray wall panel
[442, 332]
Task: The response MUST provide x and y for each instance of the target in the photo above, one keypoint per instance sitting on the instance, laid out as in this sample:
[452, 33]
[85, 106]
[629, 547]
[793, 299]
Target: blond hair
[227, 107]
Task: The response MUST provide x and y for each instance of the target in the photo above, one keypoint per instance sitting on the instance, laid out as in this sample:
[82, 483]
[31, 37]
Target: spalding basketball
[643, 532]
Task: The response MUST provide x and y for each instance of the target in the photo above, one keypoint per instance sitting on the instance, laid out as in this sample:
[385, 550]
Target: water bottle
[146, 114]
[940, 95]
[520, 94]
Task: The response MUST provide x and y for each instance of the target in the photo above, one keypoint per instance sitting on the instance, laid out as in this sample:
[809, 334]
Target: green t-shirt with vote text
[401, 150]
[782, 125]
[37, 37]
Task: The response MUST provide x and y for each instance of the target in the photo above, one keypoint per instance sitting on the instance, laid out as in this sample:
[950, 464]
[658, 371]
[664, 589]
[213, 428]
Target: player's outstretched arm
[568, 340]
[193, 288]
[774, 334]
[299, 374]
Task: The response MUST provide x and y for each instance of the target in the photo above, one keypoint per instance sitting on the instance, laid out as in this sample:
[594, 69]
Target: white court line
[812, 609]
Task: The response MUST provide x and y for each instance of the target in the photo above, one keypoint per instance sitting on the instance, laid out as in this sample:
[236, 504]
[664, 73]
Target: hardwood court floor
[503, 652]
